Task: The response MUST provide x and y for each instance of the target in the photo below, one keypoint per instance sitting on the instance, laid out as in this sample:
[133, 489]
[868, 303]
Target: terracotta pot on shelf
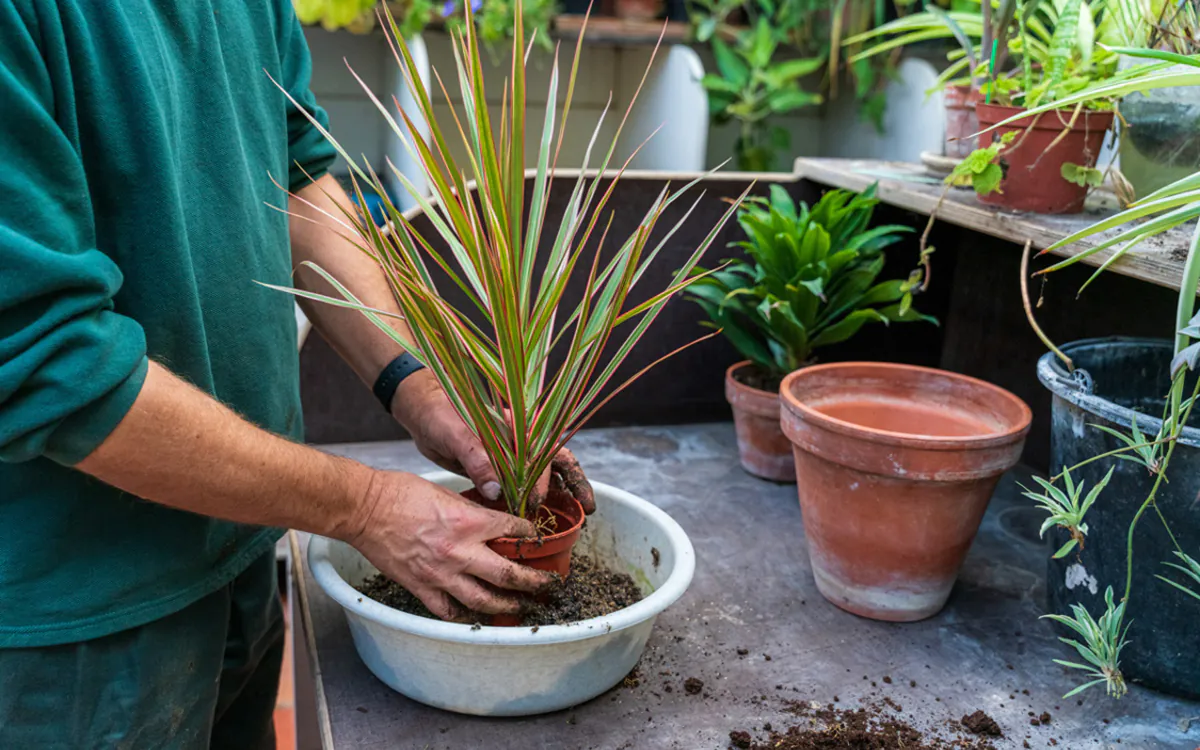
[762, 447]
[1033, 162]
[961, 123]
[551, 553]
[638, 10]
[895, 467]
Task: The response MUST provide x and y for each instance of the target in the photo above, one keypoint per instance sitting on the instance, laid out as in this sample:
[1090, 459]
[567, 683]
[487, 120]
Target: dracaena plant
[809, 282]
[492, 357]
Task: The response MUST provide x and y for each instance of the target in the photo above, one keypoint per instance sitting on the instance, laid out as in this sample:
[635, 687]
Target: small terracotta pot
[639, 10]
[1033, 178]
[762, 447]
[961, 122]
[896, 465]
[551, 553]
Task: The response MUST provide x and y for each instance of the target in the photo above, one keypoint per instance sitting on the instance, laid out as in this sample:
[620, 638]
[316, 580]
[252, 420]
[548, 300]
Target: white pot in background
[492, 671]
[409, 166]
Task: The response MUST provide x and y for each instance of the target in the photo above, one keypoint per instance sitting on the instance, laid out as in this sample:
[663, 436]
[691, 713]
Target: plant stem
[1026, 58]
[1187, 291]
[1162, 472]
[1184, 311]
[1126, 449]
[1029, 308]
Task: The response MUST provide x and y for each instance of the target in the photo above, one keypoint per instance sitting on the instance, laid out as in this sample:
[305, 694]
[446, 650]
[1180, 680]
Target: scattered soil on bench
[870, 728]
[981, 723]
[592, 590]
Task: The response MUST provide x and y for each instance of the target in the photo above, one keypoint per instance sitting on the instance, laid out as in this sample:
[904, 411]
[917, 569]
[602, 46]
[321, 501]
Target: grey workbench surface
[753, 590]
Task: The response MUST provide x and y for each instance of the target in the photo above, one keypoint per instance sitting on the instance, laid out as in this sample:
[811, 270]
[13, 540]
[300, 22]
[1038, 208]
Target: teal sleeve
[70, 367]
[308, 150]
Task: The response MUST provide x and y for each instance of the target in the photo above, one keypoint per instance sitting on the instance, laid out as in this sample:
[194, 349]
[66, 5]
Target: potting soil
[592, 590]
[873, 727]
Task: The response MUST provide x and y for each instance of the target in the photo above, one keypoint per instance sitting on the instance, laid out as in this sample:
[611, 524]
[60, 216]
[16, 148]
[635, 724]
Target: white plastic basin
[515, 671]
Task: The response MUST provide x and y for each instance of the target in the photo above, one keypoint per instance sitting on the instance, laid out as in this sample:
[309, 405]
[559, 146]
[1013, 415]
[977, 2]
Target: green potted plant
[1047, 164]
[510, 259]
[359, 15]
[1133, 616]
[751, 87]
[965, 27]
[810, 281]
[494, 17]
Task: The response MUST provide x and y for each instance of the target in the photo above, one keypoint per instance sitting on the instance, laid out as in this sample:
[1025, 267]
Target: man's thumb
[479, 470]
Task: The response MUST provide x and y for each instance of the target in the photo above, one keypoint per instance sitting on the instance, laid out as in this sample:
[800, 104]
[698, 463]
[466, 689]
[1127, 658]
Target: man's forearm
[179, 447]
[315, 238]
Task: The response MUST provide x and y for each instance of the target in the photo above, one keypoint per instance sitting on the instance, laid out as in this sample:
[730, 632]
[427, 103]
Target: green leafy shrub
[810, 280]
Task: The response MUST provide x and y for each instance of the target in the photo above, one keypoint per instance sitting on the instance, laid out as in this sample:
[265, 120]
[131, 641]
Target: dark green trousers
[204, 677]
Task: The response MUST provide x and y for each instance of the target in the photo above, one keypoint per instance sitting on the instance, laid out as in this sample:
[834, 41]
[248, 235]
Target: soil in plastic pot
[559, 522]
[1128, 377]
[1033, 162]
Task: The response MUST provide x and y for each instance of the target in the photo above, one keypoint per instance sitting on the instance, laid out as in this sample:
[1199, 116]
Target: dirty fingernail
[491, 490]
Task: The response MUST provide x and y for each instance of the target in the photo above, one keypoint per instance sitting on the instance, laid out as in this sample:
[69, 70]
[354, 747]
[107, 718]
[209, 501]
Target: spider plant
[1065, 509]
[809, 281]
[1166, 209]
[492, 357]
[1103, 640]
[1190, 568]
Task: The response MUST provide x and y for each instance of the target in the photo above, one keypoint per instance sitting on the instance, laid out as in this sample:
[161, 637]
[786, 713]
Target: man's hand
[434, 543]
[180, 447]
[423, 409]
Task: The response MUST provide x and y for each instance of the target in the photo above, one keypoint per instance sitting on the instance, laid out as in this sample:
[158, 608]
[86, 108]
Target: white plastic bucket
[492, 671]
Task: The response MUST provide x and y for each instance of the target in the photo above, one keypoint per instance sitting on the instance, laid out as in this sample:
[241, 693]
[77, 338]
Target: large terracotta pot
[1033, 162]
[961, 123]
[762, 447]
[896, 465]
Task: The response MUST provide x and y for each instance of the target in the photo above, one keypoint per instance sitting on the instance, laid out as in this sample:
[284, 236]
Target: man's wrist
[359, 487]
[411, 399]
[392, 376]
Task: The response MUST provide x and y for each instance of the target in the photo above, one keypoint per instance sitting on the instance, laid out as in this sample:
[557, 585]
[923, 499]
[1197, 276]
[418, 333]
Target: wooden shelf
[909, 186]
[609, 30]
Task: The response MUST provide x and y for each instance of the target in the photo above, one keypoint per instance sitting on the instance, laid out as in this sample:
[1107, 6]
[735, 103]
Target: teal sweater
[137, 143]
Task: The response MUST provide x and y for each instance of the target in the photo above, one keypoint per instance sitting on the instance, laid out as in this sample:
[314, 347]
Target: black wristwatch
[392, 376]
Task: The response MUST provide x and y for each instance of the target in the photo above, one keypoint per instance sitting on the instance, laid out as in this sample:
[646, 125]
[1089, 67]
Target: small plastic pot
[961, 123]
[551, 553]
[1033, 162]
[895, 466]
[763, 449]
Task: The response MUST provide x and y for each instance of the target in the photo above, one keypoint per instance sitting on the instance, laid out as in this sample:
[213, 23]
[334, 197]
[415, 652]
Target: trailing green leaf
[1066, 507]
[1102, 642]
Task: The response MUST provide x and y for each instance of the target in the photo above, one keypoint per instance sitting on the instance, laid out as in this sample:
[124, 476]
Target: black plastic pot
[1123, 377]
